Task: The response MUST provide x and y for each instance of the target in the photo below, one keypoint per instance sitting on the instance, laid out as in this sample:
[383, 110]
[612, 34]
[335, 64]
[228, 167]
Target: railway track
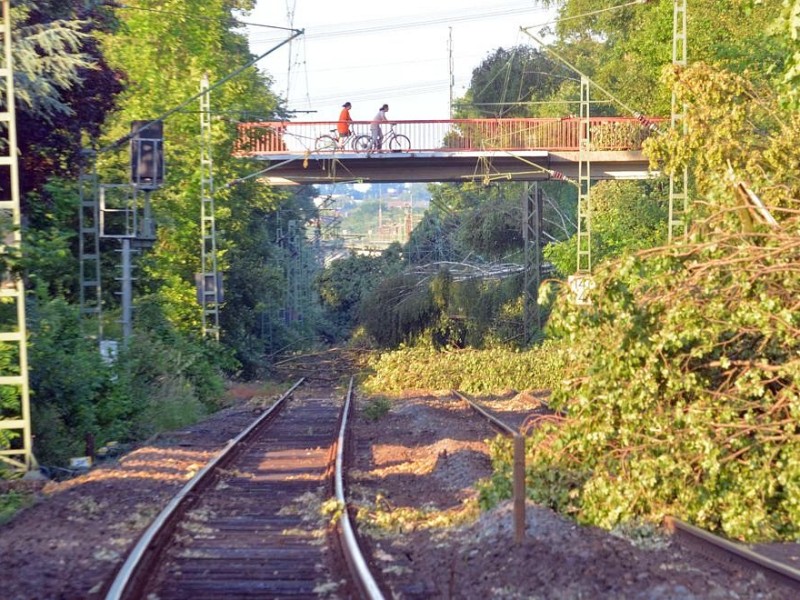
[241, 528]
[692, 538]
[248, 525]
[723, 550]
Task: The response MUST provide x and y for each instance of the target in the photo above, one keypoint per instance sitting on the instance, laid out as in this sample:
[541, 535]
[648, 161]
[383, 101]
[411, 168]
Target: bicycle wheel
[400, 143]
[362, 143]
[326, 143]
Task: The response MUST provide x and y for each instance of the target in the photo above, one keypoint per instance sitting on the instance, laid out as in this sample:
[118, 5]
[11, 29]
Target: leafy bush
[161, 381]
[626, 216]
[11, 503]
[685, 393]
[471, 371]
[68, 382]
[691, 396]
[164, 379]
[377, 407]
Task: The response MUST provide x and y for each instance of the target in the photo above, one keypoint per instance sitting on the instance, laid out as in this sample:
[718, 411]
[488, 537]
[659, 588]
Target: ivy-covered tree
[164, 50]
[512, 83]
[681, 396]
[64, 87]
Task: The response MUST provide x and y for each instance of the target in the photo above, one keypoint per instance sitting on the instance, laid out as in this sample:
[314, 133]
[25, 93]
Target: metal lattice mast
[678, 183]
[209, 288]
[89, 250]
[584, 258]
[532, 235]
[15, 417]
[293, 266]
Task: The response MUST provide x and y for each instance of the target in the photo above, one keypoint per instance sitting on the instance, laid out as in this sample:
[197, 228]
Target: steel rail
[352, 551]
[505, 428]
[777, 571]
[518, 472]
[137, 559]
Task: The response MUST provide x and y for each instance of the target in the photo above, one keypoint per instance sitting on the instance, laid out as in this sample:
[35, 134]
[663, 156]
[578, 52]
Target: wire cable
[394, 23]
[590, 14]
[186, 15]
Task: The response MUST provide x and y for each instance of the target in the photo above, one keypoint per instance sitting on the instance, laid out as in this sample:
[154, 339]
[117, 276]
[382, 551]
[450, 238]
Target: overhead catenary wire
[195, 16]
[632, 111]
[397, 23]
[358, 30]
[590, 13]
[623, 104]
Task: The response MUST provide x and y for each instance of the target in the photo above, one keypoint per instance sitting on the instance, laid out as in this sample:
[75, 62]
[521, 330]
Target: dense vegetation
[683, 390]
[84, 72]
[677, 384]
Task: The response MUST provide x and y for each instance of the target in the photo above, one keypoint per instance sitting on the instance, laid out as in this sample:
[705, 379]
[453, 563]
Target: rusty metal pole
[519, 488]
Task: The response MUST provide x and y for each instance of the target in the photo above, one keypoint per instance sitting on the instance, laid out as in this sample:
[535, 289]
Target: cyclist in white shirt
[375, 127]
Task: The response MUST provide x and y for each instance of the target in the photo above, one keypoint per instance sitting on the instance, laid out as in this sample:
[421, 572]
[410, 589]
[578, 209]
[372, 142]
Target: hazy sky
[369, 52]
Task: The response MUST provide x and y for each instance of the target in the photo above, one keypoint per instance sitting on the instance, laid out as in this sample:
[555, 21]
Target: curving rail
[140, 561]
[728, 550]
[355, 558]
[227, 531]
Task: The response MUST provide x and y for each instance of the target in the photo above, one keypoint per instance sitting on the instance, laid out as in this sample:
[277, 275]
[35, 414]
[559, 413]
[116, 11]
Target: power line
[377, 93]
[588, 14]
[395, 23]
[194, 16]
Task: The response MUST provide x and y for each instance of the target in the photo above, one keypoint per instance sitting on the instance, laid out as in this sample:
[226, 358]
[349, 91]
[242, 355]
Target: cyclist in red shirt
[343, 127]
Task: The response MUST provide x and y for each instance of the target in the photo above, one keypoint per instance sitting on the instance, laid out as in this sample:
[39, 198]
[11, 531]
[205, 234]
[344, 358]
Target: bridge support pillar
[532, 235]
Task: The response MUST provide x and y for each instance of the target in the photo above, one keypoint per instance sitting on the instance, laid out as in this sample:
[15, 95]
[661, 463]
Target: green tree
[625, 217]
[511, 83]
[398, 309]
[681, 392]
[63, 87]
[624, 49]
[164, 50]
[345, 285]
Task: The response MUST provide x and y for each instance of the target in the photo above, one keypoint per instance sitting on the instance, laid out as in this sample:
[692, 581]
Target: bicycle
[330, 142]
[396, 142]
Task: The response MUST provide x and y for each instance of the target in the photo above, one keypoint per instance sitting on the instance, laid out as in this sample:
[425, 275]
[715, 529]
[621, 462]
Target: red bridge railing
[459, 135]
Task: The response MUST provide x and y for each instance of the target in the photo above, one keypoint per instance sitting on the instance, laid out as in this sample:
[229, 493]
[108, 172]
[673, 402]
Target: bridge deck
[455, 150]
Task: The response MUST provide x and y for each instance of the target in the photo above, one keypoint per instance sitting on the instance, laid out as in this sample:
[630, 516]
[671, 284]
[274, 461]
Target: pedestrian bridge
[462, 150]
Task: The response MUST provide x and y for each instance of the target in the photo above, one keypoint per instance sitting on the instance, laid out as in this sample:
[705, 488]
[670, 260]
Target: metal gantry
[16, 440]
[584, 236]
[678, 183]
[297, 261]
[209, 288]
[89, 252]
[328, 241]
[117, 209]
